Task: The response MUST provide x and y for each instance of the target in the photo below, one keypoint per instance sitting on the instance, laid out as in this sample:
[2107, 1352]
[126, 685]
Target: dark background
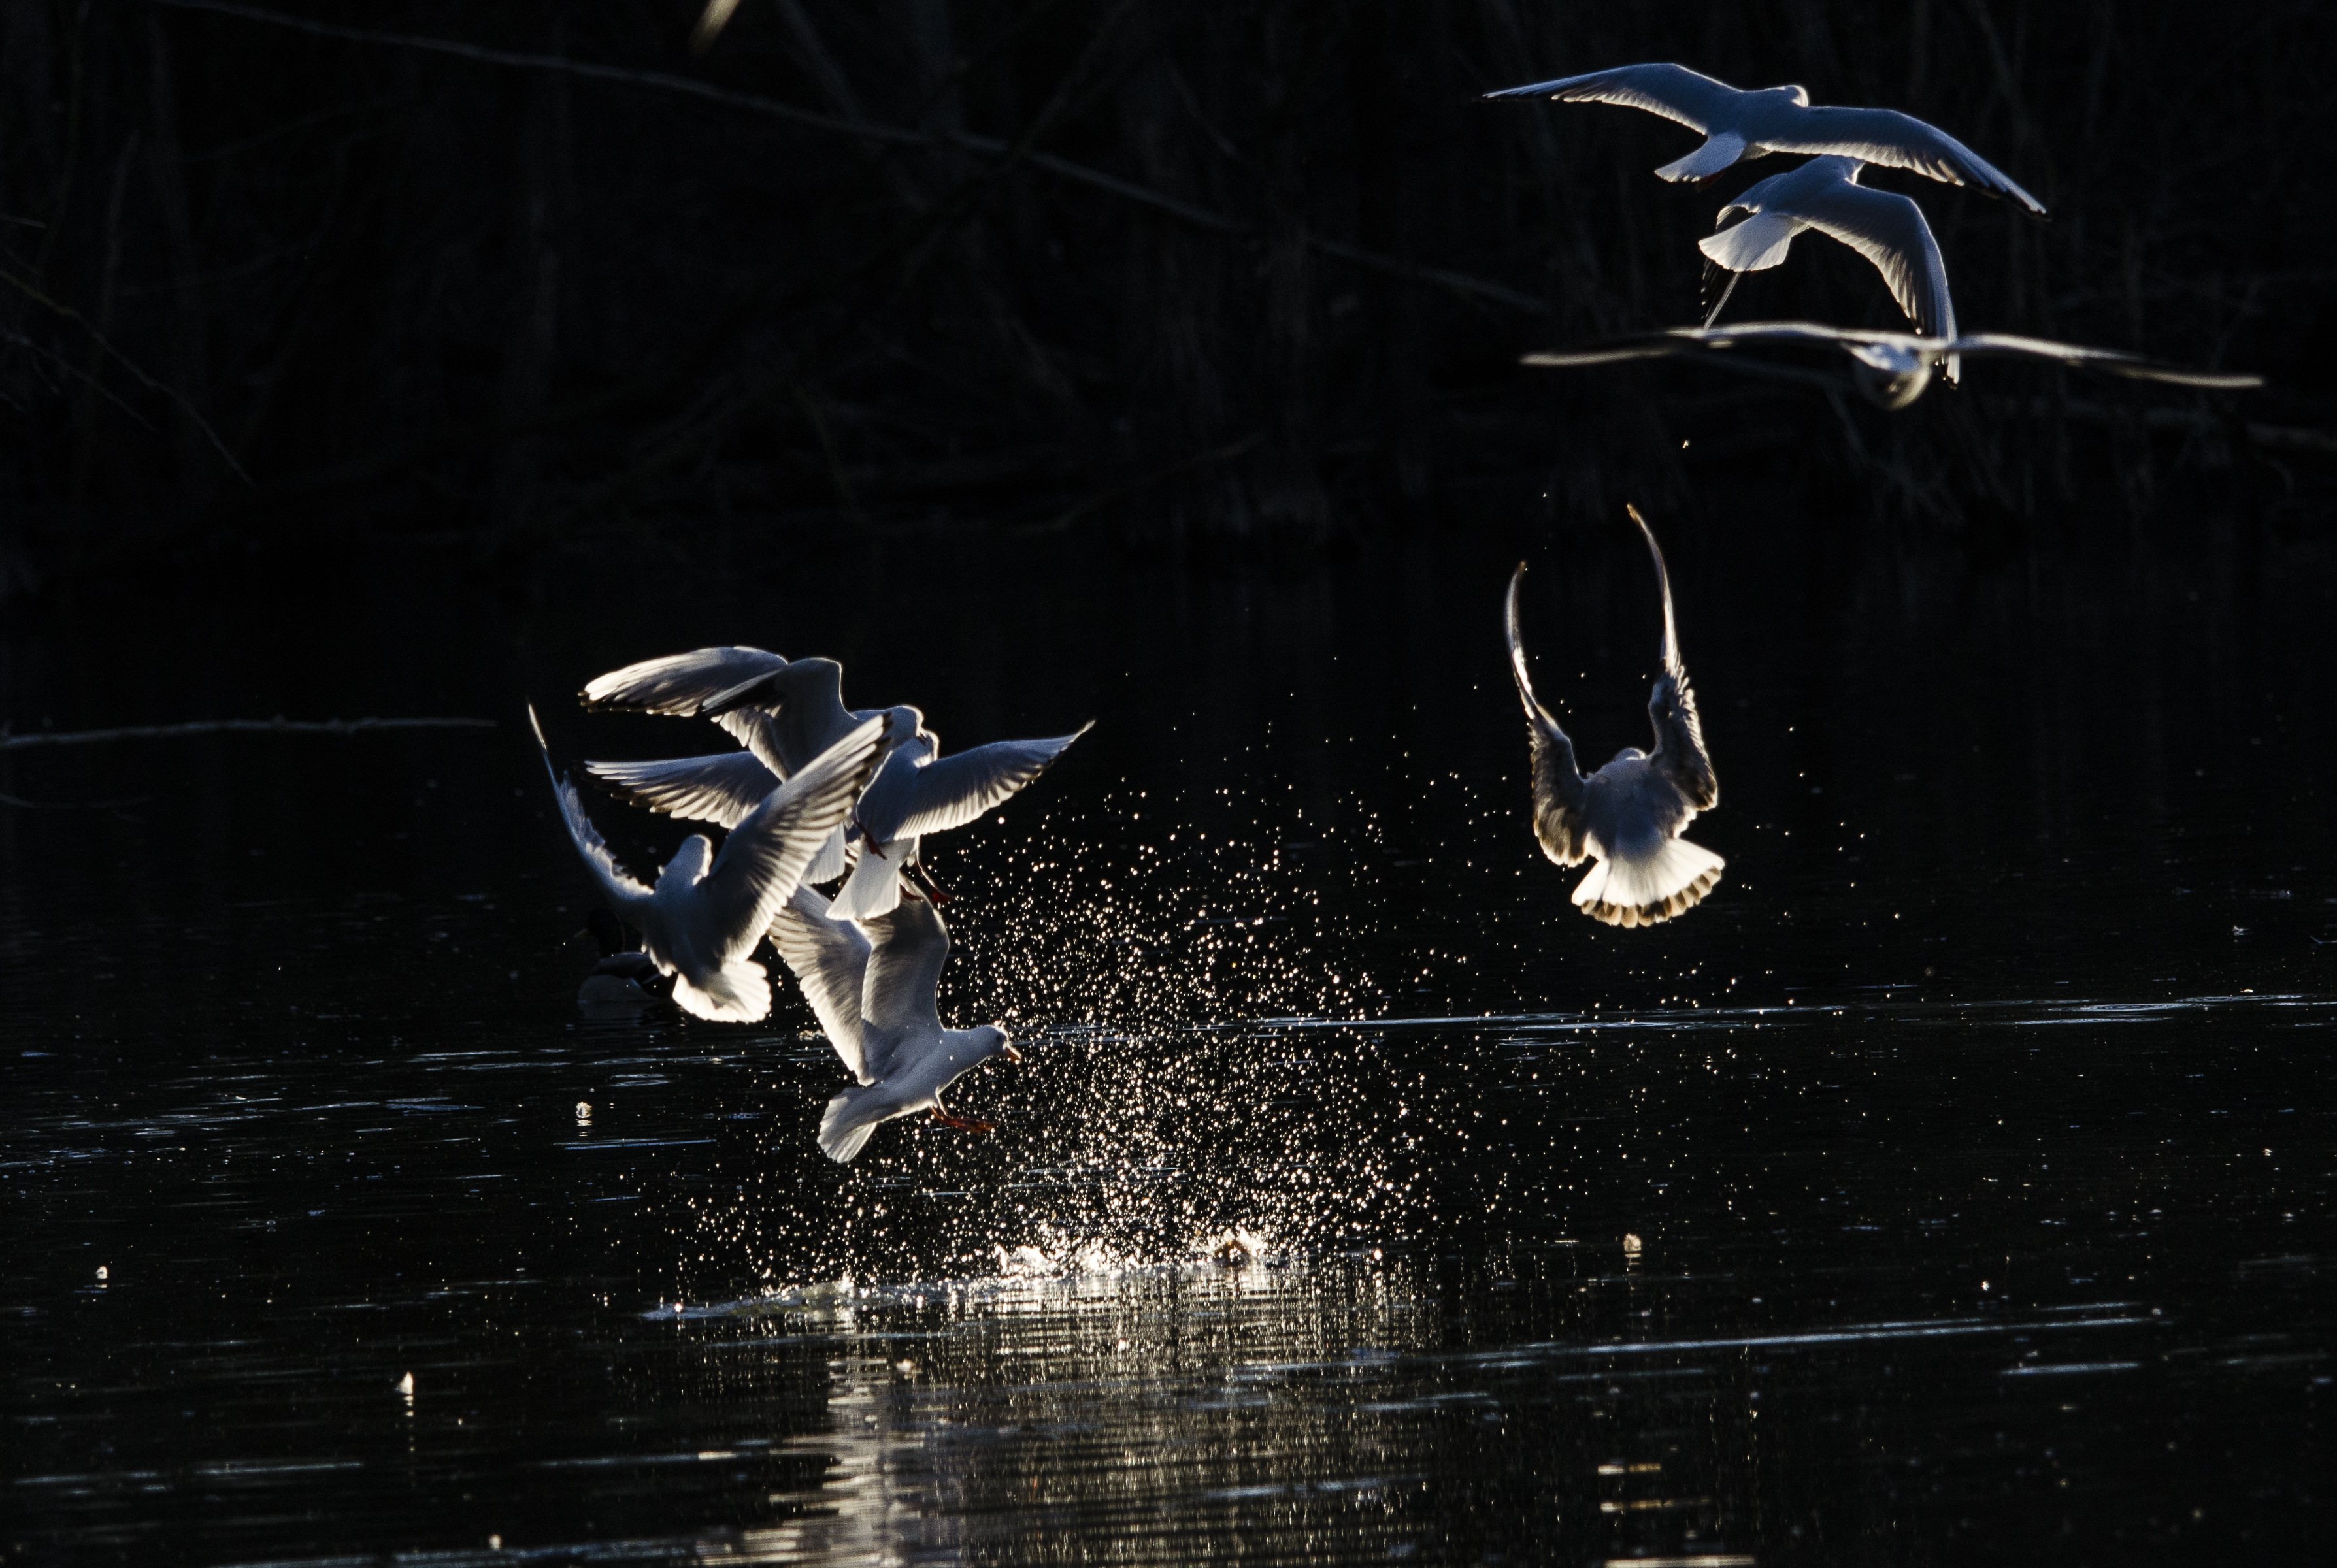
[1251, 276]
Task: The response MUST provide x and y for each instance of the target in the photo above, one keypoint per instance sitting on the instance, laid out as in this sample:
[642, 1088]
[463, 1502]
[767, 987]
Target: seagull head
[990, 1040]
[1889, 372]
[902, 725]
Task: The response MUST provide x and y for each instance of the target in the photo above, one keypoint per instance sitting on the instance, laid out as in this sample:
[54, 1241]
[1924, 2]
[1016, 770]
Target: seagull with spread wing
[1630, 812]
[1737, 124]
[874, 991]
[1892, 369]
[918, 792]
[709, 910]
[1754, 231]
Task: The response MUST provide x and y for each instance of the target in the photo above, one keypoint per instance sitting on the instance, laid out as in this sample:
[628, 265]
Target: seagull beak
[1013, 1056]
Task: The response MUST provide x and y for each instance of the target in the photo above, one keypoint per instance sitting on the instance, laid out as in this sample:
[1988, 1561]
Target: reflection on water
[1973, 1150]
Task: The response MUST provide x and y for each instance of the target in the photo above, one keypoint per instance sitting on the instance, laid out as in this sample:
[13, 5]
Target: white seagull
[1891, 368]
[1738, 125]
[874, 994]
[784, 713]
[916, 793]
[1630, 812]
[709, 910]
[1825, 194]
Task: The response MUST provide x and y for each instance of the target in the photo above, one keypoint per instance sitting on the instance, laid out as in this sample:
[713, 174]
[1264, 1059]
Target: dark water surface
[1953, 1186]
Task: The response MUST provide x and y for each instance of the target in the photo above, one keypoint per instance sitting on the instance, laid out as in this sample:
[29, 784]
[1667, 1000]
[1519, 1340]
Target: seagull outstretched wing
[1680, 755]
[1558, 794]
[829, 959]
[1677, 94]
[623, 891]
[901, 997]
[1896, 141]
[721, 790]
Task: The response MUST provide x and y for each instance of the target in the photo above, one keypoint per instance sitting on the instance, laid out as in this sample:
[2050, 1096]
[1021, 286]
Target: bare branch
[235, 726]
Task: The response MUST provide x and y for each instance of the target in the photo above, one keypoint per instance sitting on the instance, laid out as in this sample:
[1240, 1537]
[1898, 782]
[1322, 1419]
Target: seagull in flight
[707, 911]
[1738, 124]
[918, 792]
[1892, 369]
[1754, 232]
[783, 712]
[873, 990]
[1630, 812]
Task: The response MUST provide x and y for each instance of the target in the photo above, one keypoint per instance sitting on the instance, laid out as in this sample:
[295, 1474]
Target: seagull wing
[1610, 351]
[901, 999]
[1677, 340]
[678, 682]
[623, 891]
[1680, 755]
[829, 959]
[799, 710]
[1896, 141]
[2111, 361]
[1674, 91]
[763, 860]
[1786, 334]
[1560, 797]
[721, 790]
[1889, 230]
[952, 791]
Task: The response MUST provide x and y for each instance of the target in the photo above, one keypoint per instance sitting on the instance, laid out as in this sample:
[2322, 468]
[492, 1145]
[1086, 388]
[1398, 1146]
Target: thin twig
[32, 292]
[236, 726]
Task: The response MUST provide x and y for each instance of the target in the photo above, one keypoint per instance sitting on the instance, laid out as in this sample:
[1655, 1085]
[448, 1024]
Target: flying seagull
[1892, 369]
[784, 713]
[708, 910]
[1825, 194]
[1630, 812]
[1738, 125]
[874, 992]
[916, 793]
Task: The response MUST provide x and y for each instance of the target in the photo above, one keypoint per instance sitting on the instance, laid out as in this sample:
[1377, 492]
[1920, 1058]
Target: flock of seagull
[815, 793]
[1756, 230]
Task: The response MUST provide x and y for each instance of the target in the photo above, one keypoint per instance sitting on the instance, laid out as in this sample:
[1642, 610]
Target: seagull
[1891, 368]
[709, 910]
[1738, 125]
[783, 712]
[1825, 194]
[918, 792]
[1630, 812]
[874, 991]
[624, 973]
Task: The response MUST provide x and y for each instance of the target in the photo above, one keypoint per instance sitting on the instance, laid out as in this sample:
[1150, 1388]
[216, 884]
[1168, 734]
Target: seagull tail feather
[850, 1117]
[738, 993]
[1717, 153]
[1646, 890]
